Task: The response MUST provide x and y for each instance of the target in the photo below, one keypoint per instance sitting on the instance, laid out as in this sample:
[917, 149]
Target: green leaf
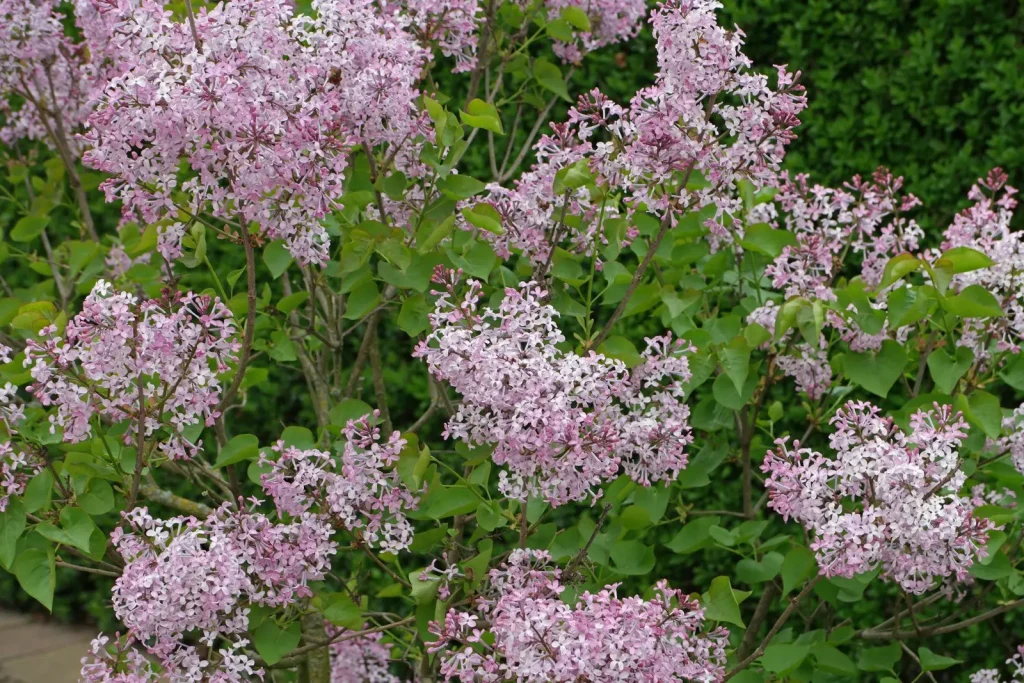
[724, 391]
[898, 267]
[982, 410]
[833, 660]
[425, 241]
[299, 437]
[693, 536]
[973, 302]
[29, 228]
[36, 573]
[997, 568]
[362, 300]
[761, 237]
[1013, 372]
[632, 558]
[559, 29]
[931, 661]
[550, 78]
[622, 349]
[289, 303]
[241, 447]
[736, 362]
[97, 498]
[460, 186]
[964, 260]
[783, 658]
[480, 114]
[274, 642]
[340, 610]
[876, 372]
[488, 518]
[751, 571]
[37, 493]
[277, 258]
[12, 525]
[879, 658]
[479, 261]
[79, 527]
[446, 501]
[485, 217]
[413, 317]
[798, 566]
[946, 370]
[349, 409]
[577, 17]
[720, 603]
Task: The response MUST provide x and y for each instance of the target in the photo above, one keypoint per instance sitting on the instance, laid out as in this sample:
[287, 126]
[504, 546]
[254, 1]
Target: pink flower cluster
[561, 423]
[263, 106]
[1016, 663]
[1012, 440]
[40, 65]
[16, 465]
[122, 662]
[985, 227]
[886, 500]
[185, 575]
[535, 219]
[451, 25]
[683, 144]
[360, 660]
[366, 496]
[864, 218]
[154, 362]
[611, 21]
[538, 637]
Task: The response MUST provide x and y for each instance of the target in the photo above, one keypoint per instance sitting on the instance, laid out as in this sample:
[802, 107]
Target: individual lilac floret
[561, 423]
[886, 500]
[537, 637]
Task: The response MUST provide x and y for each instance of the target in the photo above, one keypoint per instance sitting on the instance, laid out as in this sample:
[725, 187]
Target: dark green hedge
[934, 89]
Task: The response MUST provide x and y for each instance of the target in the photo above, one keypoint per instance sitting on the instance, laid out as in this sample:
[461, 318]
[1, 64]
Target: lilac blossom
[264, 106]
[154, 362]
[886, 500]
[561, 423]
[365, 496]
[538, 637]
[363, 659]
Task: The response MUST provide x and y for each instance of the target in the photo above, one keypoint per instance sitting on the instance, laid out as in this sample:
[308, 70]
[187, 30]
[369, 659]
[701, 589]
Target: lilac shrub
[409, 360]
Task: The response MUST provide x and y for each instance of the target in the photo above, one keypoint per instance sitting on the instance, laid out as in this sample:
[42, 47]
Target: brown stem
[950, 628]
[87, 570]
[250, 318]
[760, 614]
[379, 390]
[343, 636]
[175, 502]
[779, 623]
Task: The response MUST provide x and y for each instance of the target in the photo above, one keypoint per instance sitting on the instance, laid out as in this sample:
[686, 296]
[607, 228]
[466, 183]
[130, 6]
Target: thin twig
[250, 318]
[776, 627]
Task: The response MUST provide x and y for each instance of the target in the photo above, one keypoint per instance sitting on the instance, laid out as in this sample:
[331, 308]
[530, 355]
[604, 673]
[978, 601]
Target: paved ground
[33, 651]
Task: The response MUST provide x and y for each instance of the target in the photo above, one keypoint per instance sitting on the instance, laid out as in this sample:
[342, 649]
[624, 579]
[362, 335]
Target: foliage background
[930, 88]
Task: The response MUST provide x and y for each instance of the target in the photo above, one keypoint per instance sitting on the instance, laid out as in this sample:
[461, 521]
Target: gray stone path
[32, 651]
